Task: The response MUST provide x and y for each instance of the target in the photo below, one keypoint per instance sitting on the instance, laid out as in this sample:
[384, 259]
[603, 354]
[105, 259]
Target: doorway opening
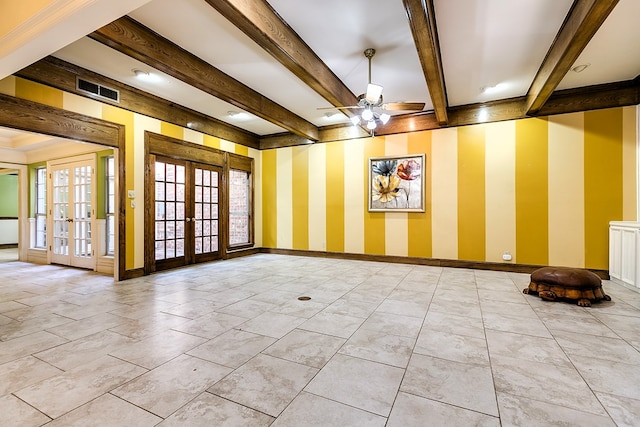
[9, 214]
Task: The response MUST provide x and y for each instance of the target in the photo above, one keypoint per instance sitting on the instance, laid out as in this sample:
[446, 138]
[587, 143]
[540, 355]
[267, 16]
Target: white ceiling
[24, 141]
[22, 147]
[614, 52]
[482, 42]
[487, 42]
[51, 25]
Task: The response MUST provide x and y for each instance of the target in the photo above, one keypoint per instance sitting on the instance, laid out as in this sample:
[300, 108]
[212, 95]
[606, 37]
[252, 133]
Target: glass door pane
[206, 210]
[82, 212]
[239, 207]
[72, 189]
[60, 213]
[186, 213]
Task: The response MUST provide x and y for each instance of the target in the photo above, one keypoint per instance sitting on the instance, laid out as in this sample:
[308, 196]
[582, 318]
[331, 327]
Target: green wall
[9, 196]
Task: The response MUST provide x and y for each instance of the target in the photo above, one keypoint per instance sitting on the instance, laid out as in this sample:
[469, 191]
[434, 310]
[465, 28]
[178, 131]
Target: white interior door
[72, 190]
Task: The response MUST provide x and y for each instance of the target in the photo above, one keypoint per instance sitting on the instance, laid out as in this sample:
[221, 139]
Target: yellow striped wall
[542, 189]
[135, 127]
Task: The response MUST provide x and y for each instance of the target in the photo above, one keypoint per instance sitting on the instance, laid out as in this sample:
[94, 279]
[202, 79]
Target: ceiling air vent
[98, 90]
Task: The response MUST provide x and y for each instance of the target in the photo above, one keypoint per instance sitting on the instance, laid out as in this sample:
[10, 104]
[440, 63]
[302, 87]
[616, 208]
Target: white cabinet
[624, 252]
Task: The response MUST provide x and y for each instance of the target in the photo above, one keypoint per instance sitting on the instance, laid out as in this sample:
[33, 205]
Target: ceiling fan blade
[406, 106]
[374, 92]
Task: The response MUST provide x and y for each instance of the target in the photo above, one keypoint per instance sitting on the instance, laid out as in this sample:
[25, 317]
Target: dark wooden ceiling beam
[582, 22]
[258, 20]
[422, 20]
[131, 38]
[60, 74]
[610, 95]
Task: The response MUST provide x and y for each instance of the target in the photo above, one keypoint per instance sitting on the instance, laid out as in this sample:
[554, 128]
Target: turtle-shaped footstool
[567, 284]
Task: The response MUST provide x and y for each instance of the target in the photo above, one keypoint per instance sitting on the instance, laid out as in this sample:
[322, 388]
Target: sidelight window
[41, 208]
[239, 207]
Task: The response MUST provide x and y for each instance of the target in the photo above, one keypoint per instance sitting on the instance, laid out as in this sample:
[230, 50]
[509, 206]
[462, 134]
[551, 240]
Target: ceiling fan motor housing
[364, 102]
[369, 52]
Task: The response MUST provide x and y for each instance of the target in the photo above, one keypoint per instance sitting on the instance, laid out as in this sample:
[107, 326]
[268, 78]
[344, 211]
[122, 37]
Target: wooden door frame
[30, 116]
[166, 146]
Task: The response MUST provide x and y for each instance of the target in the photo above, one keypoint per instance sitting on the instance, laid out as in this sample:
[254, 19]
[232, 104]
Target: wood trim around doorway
[30, 116]
[165, 146]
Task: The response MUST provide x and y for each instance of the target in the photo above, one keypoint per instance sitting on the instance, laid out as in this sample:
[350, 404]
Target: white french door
[72, 201]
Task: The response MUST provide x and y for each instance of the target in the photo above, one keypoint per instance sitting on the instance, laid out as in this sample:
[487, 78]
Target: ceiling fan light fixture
[374, 92]
[371, 124]
[384, 118]
[367, 114]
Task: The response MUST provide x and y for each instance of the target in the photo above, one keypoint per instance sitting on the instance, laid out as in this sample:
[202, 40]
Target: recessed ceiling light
[140, 73]
[493, 89]
[580, 68]
[238, 115]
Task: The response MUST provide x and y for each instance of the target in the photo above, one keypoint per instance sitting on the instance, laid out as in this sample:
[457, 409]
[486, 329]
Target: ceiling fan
[372, 98]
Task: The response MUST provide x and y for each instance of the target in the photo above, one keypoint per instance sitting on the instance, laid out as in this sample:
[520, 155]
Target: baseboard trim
[131, 274]
[242, 252]
[434, 262]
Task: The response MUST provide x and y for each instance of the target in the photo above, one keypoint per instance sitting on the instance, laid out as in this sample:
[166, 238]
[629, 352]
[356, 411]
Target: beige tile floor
[229, 344]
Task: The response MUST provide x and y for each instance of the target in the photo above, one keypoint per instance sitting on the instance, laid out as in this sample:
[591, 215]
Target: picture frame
[397, 183]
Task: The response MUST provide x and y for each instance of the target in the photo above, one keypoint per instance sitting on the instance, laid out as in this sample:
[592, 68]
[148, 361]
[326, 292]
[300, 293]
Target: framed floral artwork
[396, 183]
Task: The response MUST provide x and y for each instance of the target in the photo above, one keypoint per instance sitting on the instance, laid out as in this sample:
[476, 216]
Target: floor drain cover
[304, 298]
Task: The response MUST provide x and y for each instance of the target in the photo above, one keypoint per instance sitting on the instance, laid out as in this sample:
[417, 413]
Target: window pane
[159, 190]
[160, 230]
[110, 206]
[179, 247]
[180, 211]
[171, 192]
[111, 235]
[160, 211]
[239, 207]
[180, 192]
[171, 173]
[171, 230]
[171, 210]
[159, 171]
[179, 229]
[41, 208]
[160, 250]
[180, 173]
